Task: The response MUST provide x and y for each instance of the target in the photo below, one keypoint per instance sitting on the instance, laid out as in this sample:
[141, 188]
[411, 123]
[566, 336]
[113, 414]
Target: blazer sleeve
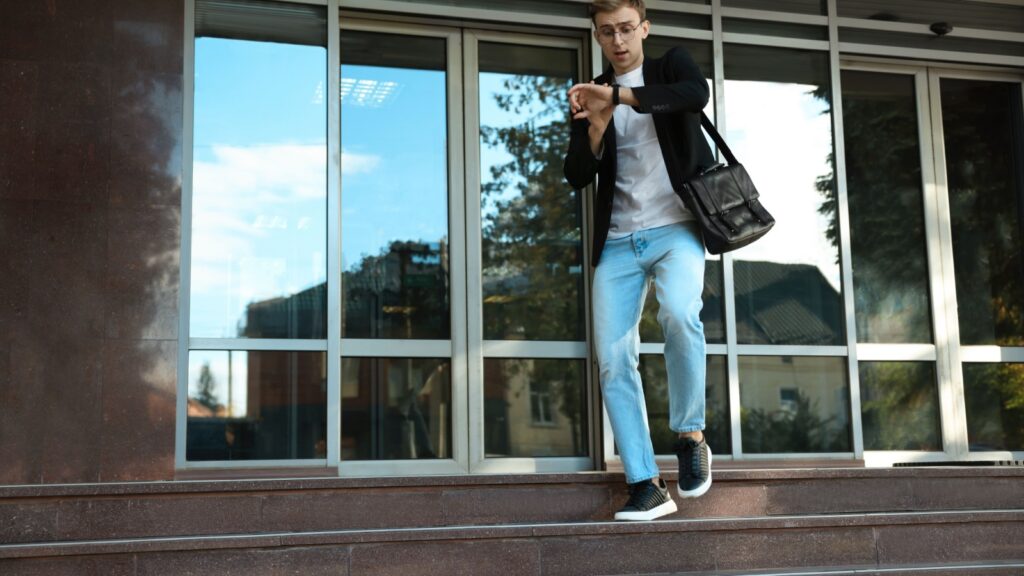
[684, 88]
[580, 163]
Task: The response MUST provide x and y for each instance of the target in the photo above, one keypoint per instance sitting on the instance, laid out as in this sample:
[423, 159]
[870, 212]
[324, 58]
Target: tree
[207, 386]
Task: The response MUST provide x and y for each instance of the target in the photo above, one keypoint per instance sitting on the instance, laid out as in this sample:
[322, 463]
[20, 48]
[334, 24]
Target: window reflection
[982, 126]
[395, 408]
[534, 408]
[716, 419]
[887, 236]
[256, 405]
[532, 252]
[994, 396]
[259, 200]
[394, 169]
[794, 404]
[900, 406]
[787, 284]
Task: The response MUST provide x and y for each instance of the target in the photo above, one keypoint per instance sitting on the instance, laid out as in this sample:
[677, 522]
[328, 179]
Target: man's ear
[646, 27]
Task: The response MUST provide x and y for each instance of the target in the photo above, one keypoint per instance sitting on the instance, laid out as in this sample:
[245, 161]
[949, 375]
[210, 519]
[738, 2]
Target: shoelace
[694, 465]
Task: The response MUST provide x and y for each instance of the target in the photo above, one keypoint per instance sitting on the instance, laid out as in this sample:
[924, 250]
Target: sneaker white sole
[699, 490]
[656, 512]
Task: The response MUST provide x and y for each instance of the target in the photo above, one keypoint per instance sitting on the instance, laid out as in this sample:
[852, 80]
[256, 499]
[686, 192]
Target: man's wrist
[615, 95]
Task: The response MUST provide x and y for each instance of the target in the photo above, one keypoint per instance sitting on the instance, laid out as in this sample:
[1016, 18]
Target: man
[637, 128]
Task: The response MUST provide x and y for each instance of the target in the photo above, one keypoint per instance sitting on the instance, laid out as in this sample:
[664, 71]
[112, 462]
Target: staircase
[898, 521]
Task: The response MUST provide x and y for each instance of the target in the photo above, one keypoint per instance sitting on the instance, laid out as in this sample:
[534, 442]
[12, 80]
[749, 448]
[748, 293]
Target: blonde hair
[598, 6]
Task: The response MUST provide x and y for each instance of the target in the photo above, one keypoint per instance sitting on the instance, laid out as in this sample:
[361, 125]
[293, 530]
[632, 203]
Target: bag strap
[719, 141]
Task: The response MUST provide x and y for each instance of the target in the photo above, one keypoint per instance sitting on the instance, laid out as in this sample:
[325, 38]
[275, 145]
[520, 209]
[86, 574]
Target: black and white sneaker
[694, 467]
[647, 501]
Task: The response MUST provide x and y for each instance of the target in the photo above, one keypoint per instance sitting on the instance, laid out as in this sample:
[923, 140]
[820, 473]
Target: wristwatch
[615, 94]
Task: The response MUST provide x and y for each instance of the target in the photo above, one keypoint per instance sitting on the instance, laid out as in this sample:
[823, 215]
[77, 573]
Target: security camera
[941, 28]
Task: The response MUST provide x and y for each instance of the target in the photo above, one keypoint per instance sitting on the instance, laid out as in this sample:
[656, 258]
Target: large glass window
[794, 404]
[984, 141]
[535, 408]
[396, 408]
[258, 267]
[394, 172]
[994, 396]
[532, 250]
[887, 233]
[256, 405]
[900, 406]
[779, 126]
[259, 185]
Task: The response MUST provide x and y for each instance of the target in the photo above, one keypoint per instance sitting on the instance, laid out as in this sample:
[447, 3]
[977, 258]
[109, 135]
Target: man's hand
[589, 99]
[593, 102]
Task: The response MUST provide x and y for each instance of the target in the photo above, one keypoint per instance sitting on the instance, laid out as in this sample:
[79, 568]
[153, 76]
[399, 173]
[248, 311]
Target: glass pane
[534, 408]
[787, 284]
[716, 407]
[900, 406]
[712, 314]
[396, 408]
[394, 187]
[532, 236]
[259, 198]
[983, 132]
[256, 405]
[794, 404]
[994, 395]
[887, 235]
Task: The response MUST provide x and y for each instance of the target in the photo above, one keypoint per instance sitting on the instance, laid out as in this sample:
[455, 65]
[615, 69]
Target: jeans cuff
[694, 428]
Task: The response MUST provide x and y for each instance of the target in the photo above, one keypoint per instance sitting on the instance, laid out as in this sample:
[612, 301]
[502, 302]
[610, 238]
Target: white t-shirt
[644, 197]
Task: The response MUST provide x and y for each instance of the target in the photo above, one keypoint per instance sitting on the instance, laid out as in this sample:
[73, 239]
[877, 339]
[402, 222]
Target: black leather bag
[725, 201]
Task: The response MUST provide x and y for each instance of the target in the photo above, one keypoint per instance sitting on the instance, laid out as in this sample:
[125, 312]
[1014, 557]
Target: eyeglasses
[606, 34]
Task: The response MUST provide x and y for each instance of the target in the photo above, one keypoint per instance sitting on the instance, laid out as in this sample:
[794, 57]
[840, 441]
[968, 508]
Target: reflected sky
[394, 137]
[259, 178]
[785, 168]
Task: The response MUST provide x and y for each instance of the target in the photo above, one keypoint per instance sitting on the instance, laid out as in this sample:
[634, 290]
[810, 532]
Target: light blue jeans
[673, 256]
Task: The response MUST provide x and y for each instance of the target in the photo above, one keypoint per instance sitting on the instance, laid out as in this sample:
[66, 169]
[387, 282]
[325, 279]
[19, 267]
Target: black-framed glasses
[606, 34]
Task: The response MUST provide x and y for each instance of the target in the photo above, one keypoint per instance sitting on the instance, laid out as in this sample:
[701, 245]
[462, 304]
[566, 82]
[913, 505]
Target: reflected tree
[531, 237]
[207, 386]
[798, 430]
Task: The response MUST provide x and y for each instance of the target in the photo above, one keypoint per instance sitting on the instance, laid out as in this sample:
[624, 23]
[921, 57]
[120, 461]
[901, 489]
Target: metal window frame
[947, 353]
[480, 349]
[391, 15]
[186, 344]
[422, 348]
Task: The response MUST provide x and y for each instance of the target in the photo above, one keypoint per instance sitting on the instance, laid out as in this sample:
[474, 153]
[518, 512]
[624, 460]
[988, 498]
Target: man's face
[621, 35]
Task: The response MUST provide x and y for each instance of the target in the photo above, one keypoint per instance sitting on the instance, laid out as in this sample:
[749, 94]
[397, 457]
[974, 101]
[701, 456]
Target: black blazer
[675, 92]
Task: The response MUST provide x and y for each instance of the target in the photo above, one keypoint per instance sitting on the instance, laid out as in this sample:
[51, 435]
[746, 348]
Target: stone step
[905, 542]
[69, 513]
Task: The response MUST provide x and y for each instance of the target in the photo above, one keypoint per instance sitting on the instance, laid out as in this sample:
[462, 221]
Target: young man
[637, 128]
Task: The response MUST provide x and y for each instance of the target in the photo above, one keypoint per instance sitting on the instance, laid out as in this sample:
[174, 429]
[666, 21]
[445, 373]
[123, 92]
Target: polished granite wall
[90, 212]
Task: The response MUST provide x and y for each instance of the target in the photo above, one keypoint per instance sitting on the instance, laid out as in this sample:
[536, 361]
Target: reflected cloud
[271, 173]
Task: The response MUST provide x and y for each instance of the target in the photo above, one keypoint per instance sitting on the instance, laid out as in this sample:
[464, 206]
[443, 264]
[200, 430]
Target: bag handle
[719, 141]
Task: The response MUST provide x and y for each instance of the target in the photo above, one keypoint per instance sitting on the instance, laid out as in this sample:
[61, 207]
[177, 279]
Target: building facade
[333, 237]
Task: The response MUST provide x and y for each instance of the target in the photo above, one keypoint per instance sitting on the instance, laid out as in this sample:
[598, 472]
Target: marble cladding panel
[102, 565]
[138, 409]
[90, 192]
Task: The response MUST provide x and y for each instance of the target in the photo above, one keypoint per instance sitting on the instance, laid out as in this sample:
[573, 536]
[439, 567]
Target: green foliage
[798, 430]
